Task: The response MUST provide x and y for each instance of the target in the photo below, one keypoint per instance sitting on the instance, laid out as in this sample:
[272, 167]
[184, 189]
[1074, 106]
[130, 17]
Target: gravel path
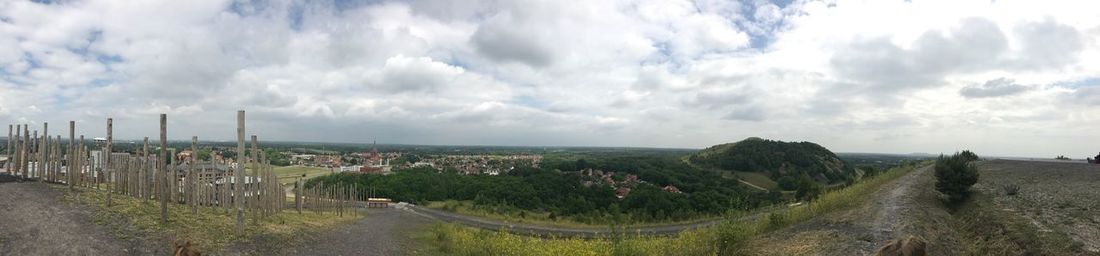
[34, 221]
[381, 232]
[891, 207]
[907, 205]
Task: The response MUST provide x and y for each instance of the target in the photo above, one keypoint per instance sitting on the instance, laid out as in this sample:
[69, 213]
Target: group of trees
[778, 159]
[563, 192]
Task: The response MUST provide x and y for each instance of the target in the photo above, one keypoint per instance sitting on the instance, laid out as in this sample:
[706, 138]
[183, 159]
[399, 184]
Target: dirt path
[889, 208]
[34, 221]
[382, 232]
[907, 205]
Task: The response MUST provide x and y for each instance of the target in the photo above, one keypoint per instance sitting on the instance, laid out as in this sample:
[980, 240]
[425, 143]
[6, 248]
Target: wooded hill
[777, 159]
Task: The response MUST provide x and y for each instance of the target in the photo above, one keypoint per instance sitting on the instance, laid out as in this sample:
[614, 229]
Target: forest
[558, 187]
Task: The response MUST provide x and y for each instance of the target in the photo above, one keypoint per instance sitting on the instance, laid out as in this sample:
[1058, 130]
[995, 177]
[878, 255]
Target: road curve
[557, 232]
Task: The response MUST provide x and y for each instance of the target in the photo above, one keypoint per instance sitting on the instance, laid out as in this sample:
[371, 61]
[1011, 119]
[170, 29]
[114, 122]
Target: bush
[1011, 189]
[955, 175]
[967, 156]
[787, 183]
[808, 190]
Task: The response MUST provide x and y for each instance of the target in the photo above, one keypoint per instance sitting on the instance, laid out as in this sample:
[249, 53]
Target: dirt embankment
[906, 206]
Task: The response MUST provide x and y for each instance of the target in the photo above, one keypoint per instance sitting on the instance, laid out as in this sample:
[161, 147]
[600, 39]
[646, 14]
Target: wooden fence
[151, 175]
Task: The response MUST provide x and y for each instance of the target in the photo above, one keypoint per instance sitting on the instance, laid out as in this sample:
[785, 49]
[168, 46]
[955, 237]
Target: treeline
[563, 193]
[777, 158]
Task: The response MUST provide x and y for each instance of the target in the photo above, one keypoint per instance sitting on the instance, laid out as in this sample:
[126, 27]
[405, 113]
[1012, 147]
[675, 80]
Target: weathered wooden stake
[107, 160]
[7, 152]
[191, 176]
[162, 164]
[70, 171]
[238, 185]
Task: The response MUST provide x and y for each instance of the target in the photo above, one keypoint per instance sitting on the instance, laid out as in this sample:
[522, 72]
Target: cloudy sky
[1014, 78]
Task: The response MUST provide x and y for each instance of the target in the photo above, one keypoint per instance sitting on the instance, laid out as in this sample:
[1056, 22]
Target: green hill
[776, 159]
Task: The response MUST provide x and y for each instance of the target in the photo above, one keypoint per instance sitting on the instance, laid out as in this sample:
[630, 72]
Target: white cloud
[890, 76]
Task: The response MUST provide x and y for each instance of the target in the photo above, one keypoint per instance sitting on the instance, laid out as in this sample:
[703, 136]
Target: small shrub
[955, 175]
[776, 220]
[1011, 189]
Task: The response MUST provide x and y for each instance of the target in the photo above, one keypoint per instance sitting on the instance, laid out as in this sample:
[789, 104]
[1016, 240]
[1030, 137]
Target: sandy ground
[34, 221]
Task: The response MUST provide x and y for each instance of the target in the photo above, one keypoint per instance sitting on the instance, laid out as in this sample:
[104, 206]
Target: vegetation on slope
[720, 240]
[777, 159]
[563, 194]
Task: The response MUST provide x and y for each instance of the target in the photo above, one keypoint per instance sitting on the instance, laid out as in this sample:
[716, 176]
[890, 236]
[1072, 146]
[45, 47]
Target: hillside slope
[776, 159]
[906, 206]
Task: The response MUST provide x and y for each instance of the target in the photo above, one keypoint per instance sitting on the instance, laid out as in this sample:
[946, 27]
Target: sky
[1007, 78]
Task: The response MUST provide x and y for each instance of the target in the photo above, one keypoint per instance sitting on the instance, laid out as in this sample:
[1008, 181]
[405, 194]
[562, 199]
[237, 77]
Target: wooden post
[25, 146]
[18, 163]
[72, 156]
[7, 151]
[173, 186]
[162, 167]
[298, 190]
[240, 172]
[107, 160]
[145, 193]
[255, 174]
[191, 174]
[41, 167]
[82, 159]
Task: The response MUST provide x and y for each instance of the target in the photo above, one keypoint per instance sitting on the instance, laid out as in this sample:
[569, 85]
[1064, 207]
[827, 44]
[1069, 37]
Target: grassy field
[210, 229]
[290, 173]
[512, 215]
[758, 179]
[723, 239]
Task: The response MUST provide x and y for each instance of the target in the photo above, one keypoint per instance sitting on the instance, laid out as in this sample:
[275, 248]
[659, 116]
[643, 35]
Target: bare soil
[382, 232]
[1054, 197]
[35, 221]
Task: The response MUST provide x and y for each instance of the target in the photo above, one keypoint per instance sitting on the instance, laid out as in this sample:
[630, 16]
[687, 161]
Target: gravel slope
[381, 232]
[34, 221]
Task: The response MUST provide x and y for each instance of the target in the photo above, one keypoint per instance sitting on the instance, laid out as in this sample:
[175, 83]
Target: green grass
[758, 179]
[515, 215]
[290, 173]
[210, 229]
[723, 239]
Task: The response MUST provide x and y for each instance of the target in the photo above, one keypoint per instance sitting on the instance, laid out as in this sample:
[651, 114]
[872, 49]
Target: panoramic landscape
[342, 127]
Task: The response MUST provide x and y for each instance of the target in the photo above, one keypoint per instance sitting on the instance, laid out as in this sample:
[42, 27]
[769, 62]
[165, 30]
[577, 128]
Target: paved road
[544, 231]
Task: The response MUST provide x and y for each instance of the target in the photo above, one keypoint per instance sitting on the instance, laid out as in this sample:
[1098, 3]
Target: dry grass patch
[211, 229]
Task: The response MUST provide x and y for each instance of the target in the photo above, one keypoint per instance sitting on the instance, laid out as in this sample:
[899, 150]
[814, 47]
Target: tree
[968, 156]
[955, 175]
[203, 154]
[808, 190]
[787, 183]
